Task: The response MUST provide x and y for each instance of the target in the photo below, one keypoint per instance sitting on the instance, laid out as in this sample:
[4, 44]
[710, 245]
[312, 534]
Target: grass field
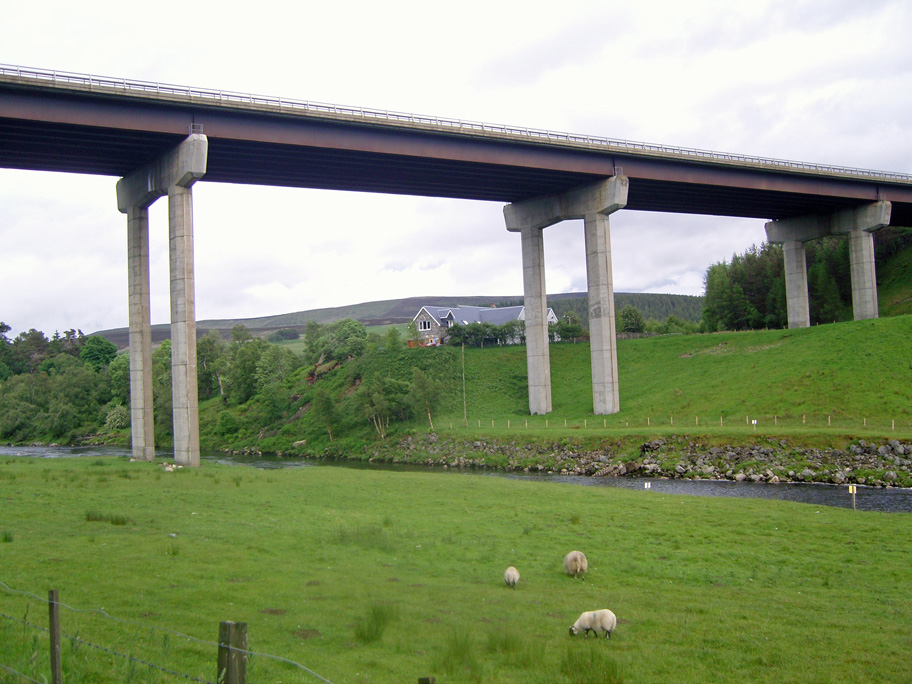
[367, 576]
[841, 374]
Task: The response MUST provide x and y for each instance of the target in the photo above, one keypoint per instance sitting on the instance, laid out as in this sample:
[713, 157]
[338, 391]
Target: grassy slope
[894, 288]
[824, 383]
[848, 370]
[707, 590]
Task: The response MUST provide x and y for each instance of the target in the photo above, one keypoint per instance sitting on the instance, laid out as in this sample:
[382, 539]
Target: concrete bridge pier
[173, 174]
[141, 417]
[859, 225]
[592, 203]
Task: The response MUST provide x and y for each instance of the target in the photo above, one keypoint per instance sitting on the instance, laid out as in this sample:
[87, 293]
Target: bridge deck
[82, 124]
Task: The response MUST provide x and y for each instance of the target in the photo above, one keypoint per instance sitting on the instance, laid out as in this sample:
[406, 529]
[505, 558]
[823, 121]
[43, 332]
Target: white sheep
[575, 563]
[511, 576]
[595, 620]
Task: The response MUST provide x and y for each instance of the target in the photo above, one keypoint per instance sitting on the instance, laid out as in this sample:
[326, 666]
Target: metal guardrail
[457, 125]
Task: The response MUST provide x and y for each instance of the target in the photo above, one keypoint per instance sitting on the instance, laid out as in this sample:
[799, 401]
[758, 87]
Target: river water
[891, 500]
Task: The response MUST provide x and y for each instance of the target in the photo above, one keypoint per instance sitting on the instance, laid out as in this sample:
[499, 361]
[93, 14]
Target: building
[433, 321]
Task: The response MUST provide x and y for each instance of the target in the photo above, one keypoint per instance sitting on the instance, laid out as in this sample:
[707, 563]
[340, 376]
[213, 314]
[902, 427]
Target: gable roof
[463, 315]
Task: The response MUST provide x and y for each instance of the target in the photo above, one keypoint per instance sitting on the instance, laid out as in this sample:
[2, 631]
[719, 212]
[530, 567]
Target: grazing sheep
[511, 577]
[595, 620]
[575, 563]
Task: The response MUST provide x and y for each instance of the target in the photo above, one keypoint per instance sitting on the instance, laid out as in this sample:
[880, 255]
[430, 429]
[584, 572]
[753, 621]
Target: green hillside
[401, 311]
[894, 284]
[848, 379]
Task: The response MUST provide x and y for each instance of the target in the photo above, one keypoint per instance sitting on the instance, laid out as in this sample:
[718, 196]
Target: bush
[227, 424]
[117, 418]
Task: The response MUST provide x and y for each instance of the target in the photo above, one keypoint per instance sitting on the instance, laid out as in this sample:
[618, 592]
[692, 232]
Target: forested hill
[400, 311]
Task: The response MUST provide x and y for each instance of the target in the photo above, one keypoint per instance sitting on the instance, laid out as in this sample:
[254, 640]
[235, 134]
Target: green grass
[894, 293]
[845, 375]
[368, 576]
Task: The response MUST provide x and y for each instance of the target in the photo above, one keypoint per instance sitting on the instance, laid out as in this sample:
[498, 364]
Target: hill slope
[400, 311]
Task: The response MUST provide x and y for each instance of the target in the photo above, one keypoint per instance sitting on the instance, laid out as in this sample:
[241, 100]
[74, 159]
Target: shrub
[117, 418]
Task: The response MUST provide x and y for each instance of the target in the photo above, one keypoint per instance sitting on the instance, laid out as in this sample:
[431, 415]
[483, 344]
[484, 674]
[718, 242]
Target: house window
[424, 325]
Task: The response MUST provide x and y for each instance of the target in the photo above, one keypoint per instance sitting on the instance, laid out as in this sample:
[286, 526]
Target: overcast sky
[816, 81]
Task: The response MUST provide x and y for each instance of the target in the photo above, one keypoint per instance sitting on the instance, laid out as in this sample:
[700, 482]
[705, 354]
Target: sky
[815, 81]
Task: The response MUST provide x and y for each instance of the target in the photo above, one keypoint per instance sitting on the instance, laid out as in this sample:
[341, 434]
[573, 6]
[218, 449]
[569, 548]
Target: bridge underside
[109, 136]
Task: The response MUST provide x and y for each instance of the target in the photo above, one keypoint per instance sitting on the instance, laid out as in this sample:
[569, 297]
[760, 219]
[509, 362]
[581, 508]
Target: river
[891, 500]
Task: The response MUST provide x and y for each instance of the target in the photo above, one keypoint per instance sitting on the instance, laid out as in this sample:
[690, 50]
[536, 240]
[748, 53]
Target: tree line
[748, 293]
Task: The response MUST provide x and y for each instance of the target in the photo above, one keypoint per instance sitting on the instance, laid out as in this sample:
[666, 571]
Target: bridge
[160, 139]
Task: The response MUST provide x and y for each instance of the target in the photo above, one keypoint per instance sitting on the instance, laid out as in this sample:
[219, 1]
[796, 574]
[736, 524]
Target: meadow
[369, 576]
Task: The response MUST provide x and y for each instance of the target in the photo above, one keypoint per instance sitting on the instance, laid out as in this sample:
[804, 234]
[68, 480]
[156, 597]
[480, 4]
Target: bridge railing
[460, 125]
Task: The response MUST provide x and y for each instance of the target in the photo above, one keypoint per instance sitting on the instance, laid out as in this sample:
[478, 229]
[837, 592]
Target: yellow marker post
[852, 489]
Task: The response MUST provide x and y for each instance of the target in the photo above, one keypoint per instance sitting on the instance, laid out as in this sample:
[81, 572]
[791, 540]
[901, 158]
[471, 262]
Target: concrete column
[173, 174]
[602, 330]
[864, 279]
[796, 284]
[858, 223]
[592, 203]
[184, 394]
[538, 361]
[141, 416]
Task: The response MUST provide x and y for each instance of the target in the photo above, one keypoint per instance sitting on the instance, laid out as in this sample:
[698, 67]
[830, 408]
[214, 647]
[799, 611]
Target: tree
[241, 334]
[119, 373]
[716, 301]
[381, 399]
[211, 362]
[424, 394]
[241, 376]
[98, 352]
[29, 350]
[631, 320]
[392, 339]
[161, 387]
[283, 335]
[325, 411]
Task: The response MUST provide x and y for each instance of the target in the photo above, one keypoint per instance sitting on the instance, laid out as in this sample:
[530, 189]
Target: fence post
[232, 653]
[54, 615]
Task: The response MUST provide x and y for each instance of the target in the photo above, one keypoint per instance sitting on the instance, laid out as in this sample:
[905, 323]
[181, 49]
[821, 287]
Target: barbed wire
[139, 625]
[76, 639]
[19, 674]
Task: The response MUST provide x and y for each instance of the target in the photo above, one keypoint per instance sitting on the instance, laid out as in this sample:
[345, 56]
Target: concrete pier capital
[182, 167]
[604, 197]
[869, 217]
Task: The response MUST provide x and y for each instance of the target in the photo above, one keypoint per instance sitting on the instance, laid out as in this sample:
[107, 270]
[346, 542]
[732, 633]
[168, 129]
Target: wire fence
[761, 423]
[24, 641]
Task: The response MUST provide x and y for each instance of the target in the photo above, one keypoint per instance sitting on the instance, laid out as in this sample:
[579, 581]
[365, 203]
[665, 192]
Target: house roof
[463, 315]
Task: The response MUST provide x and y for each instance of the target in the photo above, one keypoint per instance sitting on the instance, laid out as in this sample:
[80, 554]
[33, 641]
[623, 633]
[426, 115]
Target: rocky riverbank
[884, 464]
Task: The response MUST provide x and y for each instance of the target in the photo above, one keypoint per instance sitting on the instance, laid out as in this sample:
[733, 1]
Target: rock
[680, 469]
[740, 477]
[807, 475]
[889, 476]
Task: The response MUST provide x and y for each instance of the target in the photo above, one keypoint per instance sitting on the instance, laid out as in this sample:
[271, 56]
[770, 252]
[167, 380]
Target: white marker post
[647, 485]
[755, 425]
[852, 489]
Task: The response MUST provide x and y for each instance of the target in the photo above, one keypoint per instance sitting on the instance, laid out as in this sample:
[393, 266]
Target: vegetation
[374, 576]
[348, 386]
[748, 293]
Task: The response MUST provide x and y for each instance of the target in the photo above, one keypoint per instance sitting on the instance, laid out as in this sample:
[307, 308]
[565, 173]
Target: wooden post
[232, 653]
[54, 615]
[426, 680]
